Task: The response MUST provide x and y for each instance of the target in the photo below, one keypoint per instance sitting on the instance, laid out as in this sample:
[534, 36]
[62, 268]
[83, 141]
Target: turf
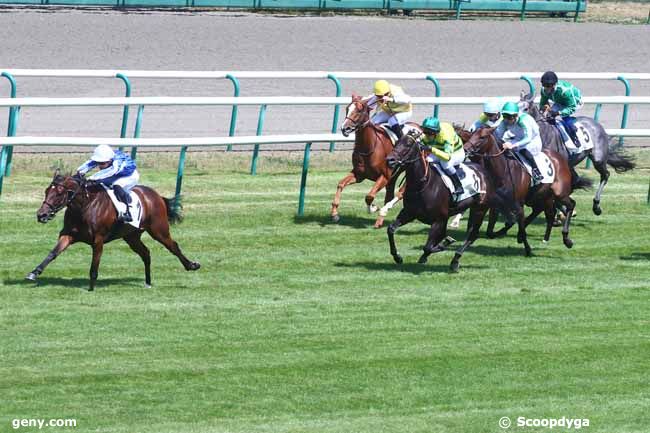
[299, 325]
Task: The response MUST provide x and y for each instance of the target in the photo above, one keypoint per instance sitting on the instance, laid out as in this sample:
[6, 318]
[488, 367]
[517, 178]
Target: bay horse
[371, 147]
[600, 155]
[91, 218]
[513, 181]
[427, 199]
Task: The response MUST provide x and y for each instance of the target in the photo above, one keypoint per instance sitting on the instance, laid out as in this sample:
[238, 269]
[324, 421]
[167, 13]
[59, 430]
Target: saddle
[406, 128]
[135, 205]
[469, 180]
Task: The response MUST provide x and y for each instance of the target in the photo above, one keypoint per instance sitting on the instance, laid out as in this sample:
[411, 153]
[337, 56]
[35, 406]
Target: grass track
[298, 325]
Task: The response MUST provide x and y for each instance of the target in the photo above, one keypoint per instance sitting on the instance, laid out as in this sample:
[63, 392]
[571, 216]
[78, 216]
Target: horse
[371, 146]
[513, 181]
[91, 218]
[600, 155]
[427, 199]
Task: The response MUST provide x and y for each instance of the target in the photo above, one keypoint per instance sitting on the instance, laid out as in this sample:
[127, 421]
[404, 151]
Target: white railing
[276, 100]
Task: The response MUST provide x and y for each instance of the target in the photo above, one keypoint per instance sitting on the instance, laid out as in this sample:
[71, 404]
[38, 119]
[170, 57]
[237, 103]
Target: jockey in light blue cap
[117, 171]
[490, 117]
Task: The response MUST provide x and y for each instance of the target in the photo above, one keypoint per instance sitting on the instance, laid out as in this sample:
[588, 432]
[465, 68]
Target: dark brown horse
[371, 146]
[91, 218]
[513, 183]
[428, 200]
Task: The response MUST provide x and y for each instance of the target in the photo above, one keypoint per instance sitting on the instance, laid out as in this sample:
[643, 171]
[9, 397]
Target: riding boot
[124, 197]
[457, 185]
[537, 175]
[571, 129]
[397, 129]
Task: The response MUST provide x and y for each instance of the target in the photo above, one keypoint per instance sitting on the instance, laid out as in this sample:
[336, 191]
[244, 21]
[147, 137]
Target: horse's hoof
[372, 208]
[568, 243]
[398, 259]
[597, 210]
[528, 252]
[453, 268]
[91, 289]
[379, 223]
[194, 266]
[147, 286]
[31, 276]
[336, 218]
[422, 260]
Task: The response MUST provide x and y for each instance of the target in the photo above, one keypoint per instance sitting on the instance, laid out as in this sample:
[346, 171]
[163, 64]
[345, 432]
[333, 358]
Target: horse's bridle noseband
[71, 196]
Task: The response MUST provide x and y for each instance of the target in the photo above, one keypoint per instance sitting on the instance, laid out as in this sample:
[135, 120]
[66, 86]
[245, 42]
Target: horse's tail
[174, 209]
[582, 183]
[619, 161]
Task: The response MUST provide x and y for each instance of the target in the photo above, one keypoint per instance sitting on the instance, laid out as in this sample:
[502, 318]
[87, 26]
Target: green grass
[299, 325]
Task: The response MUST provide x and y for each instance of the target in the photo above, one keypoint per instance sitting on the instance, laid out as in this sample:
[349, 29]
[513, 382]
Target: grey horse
[600, 155]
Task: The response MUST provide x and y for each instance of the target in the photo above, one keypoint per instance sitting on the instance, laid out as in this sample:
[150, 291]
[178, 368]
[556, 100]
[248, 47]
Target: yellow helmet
[381, 87]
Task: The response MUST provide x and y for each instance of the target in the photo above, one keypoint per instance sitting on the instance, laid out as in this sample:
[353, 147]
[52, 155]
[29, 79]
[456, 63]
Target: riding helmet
[381, 87]
[431, 123]
[549, 78]
[510, 108]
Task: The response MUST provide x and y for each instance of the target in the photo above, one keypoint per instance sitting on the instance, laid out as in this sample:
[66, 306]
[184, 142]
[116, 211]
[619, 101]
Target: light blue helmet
[492, 107]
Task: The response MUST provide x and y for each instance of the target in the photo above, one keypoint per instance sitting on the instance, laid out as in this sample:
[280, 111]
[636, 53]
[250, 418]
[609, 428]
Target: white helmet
[492, 107]
[103, 153]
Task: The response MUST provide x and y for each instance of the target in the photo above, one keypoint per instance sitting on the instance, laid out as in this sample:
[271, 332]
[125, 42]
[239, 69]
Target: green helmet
[510, 108]
[431, 123]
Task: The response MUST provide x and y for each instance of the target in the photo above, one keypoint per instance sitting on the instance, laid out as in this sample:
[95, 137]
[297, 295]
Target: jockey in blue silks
[117, 171]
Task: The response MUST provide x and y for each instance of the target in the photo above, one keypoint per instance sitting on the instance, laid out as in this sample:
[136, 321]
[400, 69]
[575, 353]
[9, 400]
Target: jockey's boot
[456, 181]
[570, 126]
[124, 197]
[537, 175]
[397, 129]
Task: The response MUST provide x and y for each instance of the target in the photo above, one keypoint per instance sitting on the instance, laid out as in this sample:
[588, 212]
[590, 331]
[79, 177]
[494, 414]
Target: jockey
[393, 106]
[446, 148]
[490, 117]
[566, 99]
[523, 135]
[117, 170]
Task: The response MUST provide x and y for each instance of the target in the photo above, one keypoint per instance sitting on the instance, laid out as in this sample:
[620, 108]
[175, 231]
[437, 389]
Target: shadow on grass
[412, 268]
[79, 283]
[636, 256]
[345, 221]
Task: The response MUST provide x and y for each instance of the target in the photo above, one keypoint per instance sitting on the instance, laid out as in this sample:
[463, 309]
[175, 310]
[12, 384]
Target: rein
[71, 196]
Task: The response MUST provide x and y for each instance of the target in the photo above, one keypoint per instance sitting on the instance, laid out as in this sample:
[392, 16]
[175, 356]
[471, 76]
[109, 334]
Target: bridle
[472, 152]
[71, 194]
[420, 154]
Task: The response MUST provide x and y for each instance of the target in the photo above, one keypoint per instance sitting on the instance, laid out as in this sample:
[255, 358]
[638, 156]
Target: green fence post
[531, 85]
[180, 172]
[125, 111]
[3, 165]
[233, 115]
[575, 18]
[597, 111]
[648, 199]
[335, 120]
[523, 10]
[256, 149]
[436, 85]
[625, 107]
[303, 180]
[458, 7]
[11, 126]
[136, 134]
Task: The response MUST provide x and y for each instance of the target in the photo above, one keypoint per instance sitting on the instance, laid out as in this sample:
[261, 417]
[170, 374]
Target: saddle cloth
[470, 181]
[406, 128]
[136, 206]
[543, 163]
[585, 139]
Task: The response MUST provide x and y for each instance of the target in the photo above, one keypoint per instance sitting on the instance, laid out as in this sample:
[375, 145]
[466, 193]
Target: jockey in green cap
[566, 99]
[446, 148]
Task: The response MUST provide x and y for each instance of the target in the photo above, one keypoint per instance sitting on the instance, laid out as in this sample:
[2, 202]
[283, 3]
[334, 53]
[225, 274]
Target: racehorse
[427, 199]
[91, 218]
[513, 180]
[600, 155]
[371, 146]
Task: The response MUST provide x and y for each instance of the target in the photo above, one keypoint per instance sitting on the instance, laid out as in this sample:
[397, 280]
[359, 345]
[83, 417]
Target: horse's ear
[523, 96]
[57, 172]
[355, 97]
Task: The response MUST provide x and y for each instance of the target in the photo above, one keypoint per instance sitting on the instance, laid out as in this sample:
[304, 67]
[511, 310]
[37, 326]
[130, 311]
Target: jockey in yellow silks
[446, 148]
[393, 106]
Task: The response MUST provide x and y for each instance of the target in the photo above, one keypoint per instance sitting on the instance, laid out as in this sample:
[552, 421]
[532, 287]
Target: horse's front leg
[404, 217]
[98, 248]
[63, 243]
[347, 180]
[390, 201]
[522, 237]
[473, 226]
[380, 183]
[436, 241]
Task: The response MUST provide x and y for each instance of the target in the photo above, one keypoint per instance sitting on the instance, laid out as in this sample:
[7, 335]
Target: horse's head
[406, 150]
[481, 142]
[61, 191]
[357, 114]
[527, 105]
